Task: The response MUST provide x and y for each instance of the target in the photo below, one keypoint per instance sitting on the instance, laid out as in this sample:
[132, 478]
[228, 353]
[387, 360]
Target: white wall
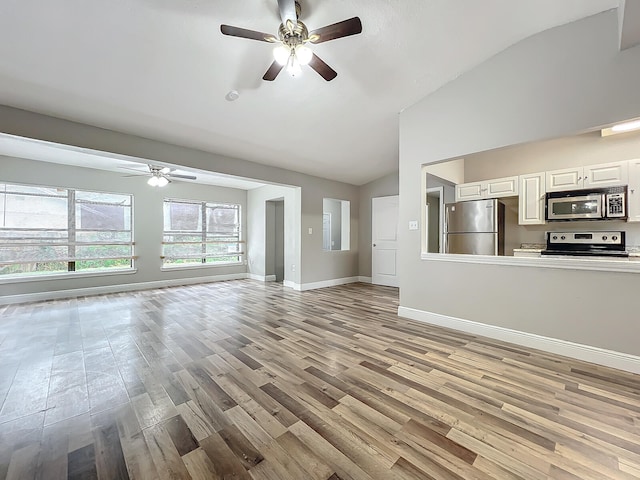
[563, 81]
[147, 216]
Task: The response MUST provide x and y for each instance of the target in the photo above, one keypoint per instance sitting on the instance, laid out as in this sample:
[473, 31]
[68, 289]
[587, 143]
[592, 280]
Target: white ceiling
[161, 69]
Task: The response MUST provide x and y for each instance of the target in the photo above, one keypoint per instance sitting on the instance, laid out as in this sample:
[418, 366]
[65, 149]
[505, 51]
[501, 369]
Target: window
[336, 224]
[53, 230]
[197, 233]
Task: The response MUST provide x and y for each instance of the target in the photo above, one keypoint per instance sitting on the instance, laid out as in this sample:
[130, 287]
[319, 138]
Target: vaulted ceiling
[161, 69]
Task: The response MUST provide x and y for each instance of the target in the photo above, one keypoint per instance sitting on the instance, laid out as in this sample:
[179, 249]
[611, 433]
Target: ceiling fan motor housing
[292, 35]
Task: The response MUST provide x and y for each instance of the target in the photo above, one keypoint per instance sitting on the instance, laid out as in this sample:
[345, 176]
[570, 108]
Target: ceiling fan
[161, 176]
[293, 37]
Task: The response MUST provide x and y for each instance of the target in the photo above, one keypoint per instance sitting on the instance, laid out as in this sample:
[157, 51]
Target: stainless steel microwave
[598, 204]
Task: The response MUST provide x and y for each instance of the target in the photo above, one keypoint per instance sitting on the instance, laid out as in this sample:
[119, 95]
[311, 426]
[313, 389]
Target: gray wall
[313, 264]
[382, 187]
[147, 217]
[563, 81]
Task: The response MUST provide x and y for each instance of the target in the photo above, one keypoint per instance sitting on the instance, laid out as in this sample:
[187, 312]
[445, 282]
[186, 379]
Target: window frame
[205, 235]
[69, 240]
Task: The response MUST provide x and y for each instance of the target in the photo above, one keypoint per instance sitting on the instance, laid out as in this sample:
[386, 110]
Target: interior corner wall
[382, 187]
[147, 224]
[560, 82]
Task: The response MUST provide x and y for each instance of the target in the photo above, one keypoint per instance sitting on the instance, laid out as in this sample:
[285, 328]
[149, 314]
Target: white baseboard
[328, 283]
[587, 353]
[364, 279]
[125, 287]
[301, 287]
[261, 278]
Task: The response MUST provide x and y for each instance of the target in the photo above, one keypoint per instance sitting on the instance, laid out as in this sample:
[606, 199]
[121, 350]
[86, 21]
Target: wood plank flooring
[243, 380]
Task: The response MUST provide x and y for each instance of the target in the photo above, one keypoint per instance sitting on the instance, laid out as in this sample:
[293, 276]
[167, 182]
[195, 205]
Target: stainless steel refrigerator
[475, 227]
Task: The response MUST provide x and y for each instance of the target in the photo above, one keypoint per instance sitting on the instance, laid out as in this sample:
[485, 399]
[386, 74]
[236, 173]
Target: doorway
[274, 241]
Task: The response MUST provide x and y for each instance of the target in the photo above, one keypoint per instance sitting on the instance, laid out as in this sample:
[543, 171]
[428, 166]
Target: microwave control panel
[615, 205]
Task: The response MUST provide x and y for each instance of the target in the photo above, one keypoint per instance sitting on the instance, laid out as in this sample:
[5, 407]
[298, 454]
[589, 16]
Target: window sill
[64, 276]
[593, 264]
[199, 266]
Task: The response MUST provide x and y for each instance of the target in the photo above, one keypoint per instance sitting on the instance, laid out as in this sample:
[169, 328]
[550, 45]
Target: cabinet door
[565, 179]
[634, 190]
[469, 191]
[501, 187]
[606, 174]
[531, 200]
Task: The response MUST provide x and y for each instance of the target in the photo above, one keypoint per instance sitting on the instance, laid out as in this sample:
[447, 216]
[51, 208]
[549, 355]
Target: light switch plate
[310, 231]
[413, 225]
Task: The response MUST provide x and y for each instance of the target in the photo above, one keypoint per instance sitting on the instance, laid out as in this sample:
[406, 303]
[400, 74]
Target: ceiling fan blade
[353, 26]
[322, 68]
[250, 34]
[273, 72]
[288, 11]
[177, 175]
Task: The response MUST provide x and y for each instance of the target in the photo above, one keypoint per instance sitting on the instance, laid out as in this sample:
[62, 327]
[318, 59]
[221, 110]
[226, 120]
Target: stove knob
[555, 237]
[604, 237]
[563, 237]
[614, 238]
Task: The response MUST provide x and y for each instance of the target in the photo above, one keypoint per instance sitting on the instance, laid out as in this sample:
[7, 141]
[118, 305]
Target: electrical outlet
[293, 268]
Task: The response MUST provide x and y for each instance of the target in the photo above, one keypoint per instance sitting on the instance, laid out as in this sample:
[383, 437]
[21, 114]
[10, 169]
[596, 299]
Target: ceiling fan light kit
[160, 176]
[292, 53]
[158, 180]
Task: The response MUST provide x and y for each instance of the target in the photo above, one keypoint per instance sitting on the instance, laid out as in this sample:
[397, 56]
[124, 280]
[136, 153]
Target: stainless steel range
[599, 244]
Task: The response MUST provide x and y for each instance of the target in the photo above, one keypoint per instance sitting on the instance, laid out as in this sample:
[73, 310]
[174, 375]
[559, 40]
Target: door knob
[374, 244]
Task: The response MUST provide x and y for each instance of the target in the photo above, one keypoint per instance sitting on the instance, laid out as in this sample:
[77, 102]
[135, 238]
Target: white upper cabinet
[596, 176]
[531, 201]
[495, 188]
[565, 179]
[634, 190]
[606, 174]
[469, 191]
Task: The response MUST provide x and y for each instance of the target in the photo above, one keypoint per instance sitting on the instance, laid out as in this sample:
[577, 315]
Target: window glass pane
[84, 265]
[183, 216]
[37, 190]
[35, 268]
[27, 253]
[95, 216]
[101, 251]
[222, 219]
[23, 211]
[99, 197]
[97, 236]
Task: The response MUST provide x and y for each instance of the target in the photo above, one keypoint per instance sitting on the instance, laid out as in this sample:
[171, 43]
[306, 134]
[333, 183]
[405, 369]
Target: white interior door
[384, 236]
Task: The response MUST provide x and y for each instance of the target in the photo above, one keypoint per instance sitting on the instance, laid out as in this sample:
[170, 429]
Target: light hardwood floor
[244, 380]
